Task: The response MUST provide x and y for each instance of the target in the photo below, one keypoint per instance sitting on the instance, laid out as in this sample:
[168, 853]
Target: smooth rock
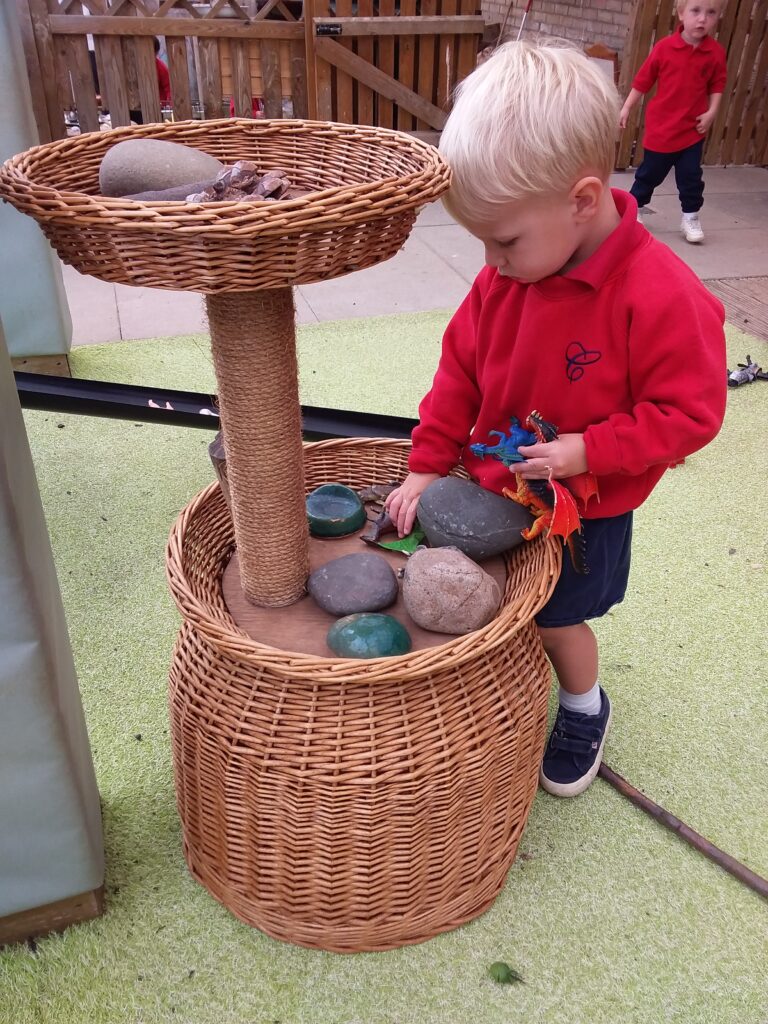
[353, 584]
[144, 165]
[175, 194]
[446, 592]
[368, 636]
[334, 510]
[458, 513]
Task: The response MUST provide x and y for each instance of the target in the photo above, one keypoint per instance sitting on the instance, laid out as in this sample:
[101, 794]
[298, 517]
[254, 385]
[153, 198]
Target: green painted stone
[334, 510]
[369, 635]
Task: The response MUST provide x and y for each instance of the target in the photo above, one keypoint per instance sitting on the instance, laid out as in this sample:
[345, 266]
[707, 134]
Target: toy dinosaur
[506, 448]
[554, 506]
[745, 374]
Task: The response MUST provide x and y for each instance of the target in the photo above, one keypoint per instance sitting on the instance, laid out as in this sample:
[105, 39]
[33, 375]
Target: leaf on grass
[503, 973]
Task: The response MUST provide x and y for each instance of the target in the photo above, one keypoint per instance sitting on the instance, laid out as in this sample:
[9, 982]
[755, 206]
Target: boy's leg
[573, 653]
[575, 747]
[690, 187]
[650, 174]
[689, 178]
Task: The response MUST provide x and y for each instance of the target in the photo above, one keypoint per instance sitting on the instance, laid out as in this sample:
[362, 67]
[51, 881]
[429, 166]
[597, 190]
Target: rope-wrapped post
[253, 339]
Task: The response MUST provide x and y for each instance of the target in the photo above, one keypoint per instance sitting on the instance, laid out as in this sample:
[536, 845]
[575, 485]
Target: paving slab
[93, 307]
[413, 281]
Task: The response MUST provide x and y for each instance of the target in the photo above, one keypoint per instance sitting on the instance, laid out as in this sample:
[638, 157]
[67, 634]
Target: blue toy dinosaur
[506, 448]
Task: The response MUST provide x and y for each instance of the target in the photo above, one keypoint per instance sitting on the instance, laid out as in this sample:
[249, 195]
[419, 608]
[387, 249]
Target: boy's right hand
[623, 117]
[402, 503]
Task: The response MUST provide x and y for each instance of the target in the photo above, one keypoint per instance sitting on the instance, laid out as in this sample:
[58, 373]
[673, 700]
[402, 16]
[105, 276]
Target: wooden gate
[390, 63]
[739, 134]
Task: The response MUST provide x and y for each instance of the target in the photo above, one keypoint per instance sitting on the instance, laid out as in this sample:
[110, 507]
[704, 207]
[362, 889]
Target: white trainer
[691, 228]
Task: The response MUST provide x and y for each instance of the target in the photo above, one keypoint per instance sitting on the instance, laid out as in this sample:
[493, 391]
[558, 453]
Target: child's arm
[564, 457]
[642, 82]
[677, 379]
[715, 90]
[704, 121]
[630, 102]
[403, 503]
[447, 412]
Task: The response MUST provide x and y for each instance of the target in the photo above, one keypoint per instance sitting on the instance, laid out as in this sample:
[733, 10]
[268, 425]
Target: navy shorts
[576, 596]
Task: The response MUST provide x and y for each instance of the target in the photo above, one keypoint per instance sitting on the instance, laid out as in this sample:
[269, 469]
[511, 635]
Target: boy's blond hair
[680, 6]
[531, 120]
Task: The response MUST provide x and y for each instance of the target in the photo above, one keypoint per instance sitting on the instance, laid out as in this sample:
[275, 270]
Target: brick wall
[587, 22]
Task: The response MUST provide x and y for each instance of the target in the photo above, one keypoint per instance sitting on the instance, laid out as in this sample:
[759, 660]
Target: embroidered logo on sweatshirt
[576, 358]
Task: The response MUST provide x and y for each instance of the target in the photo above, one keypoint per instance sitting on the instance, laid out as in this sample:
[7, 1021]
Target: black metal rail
[184, 408]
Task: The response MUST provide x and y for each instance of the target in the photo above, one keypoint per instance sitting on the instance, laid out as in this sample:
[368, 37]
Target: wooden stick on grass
[698, 842]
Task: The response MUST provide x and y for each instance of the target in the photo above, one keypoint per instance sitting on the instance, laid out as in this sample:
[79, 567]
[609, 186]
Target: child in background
[690, 69]
[580, 314]
[163, 77]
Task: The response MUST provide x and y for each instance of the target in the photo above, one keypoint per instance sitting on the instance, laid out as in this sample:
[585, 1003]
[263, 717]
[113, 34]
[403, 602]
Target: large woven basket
[368, 186]
[346, 804]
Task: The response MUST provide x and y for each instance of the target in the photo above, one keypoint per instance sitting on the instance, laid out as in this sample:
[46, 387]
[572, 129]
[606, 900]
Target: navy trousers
[688, 176]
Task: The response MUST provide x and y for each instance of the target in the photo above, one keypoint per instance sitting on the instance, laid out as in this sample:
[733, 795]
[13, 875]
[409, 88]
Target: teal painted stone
[369, 635]
[334, 510]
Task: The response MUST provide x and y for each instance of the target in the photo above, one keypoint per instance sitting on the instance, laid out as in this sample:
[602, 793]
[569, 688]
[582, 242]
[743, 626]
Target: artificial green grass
[608, 917]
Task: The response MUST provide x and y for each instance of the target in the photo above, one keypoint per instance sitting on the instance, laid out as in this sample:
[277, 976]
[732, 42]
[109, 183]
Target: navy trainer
[575, 749]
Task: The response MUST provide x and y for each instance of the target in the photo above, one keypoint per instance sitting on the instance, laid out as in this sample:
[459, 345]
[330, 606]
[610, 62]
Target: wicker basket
[344, 804]
[369, 184]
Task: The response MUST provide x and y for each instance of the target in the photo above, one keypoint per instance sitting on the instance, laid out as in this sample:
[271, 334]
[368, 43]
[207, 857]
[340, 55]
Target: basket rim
[234, 642]
[342, 204]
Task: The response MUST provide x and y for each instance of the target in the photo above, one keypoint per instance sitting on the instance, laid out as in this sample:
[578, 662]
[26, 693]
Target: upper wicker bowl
[369, 184]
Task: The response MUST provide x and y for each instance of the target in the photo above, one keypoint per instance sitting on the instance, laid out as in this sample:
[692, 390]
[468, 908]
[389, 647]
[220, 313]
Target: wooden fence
[391, 63]
[739, 134]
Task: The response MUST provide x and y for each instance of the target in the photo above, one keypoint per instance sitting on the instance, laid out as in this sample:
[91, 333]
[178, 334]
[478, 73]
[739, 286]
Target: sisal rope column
[253, 339]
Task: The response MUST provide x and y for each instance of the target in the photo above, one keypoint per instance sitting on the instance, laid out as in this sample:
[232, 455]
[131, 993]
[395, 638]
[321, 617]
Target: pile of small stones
[244, 182]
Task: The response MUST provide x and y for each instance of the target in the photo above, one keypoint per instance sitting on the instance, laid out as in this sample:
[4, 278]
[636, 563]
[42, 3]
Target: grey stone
[458, 513]
[143, 165]
[354, 583]
[175, 194]
[446, 592]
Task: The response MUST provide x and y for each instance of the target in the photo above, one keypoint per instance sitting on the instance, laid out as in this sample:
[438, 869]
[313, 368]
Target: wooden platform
[53, 917]
[746, 303]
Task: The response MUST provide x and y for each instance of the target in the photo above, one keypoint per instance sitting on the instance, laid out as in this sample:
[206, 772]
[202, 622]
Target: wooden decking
[746, 303]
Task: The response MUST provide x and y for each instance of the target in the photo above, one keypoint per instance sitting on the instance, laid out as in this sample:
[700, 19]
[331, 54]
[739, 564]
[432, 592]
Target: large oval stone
[461, 514]
[142, 165]
[354, 583]
[446, 592]
[368, 636]
[334, 510]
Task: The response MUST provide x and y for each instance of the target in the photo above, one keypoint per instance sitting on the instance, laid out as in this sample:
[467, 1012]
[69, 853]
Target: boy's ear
[586, 195]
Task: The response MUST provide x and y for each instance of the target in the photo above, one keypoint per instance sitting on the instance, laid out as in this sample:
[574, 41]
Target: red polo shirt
[163, 81]
[687, 76]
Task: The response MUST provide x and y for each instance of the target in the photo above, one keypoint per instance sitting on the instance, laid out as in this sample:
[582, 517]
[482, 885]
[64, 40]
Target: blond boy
[690, 69]
[580, 314]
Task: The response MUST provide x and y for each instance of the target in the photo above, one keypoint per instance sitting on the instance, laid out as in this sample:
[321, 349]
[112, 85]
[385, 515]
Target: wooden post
[309, 48]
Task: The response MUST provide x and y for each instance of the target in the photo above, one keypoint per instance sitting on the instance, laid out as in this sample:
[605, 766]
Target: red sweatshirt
[687, 76]
[627, 348]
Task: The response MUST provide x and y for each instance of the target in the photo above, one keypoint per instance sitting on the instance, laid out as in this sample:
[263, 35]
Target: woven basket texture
[346, 804]
[368, 186]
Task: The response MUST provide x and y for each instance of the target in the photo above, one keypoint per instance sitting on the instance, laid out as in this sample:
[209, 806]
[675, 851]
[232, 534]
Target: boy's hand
[703, 122]
[563, 457]
[623, 117]
[402, 503]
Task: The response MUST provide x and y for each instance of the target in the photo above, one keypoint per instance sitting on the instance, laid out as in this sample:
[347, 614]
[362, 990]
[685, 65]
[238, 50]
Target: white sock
[588, 703]
[690, 216]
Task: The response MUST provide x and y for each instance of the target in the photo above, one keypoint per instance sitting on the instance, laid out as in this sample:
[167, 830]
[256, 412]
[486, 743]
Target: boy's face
[530, 238]
[699, 18]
